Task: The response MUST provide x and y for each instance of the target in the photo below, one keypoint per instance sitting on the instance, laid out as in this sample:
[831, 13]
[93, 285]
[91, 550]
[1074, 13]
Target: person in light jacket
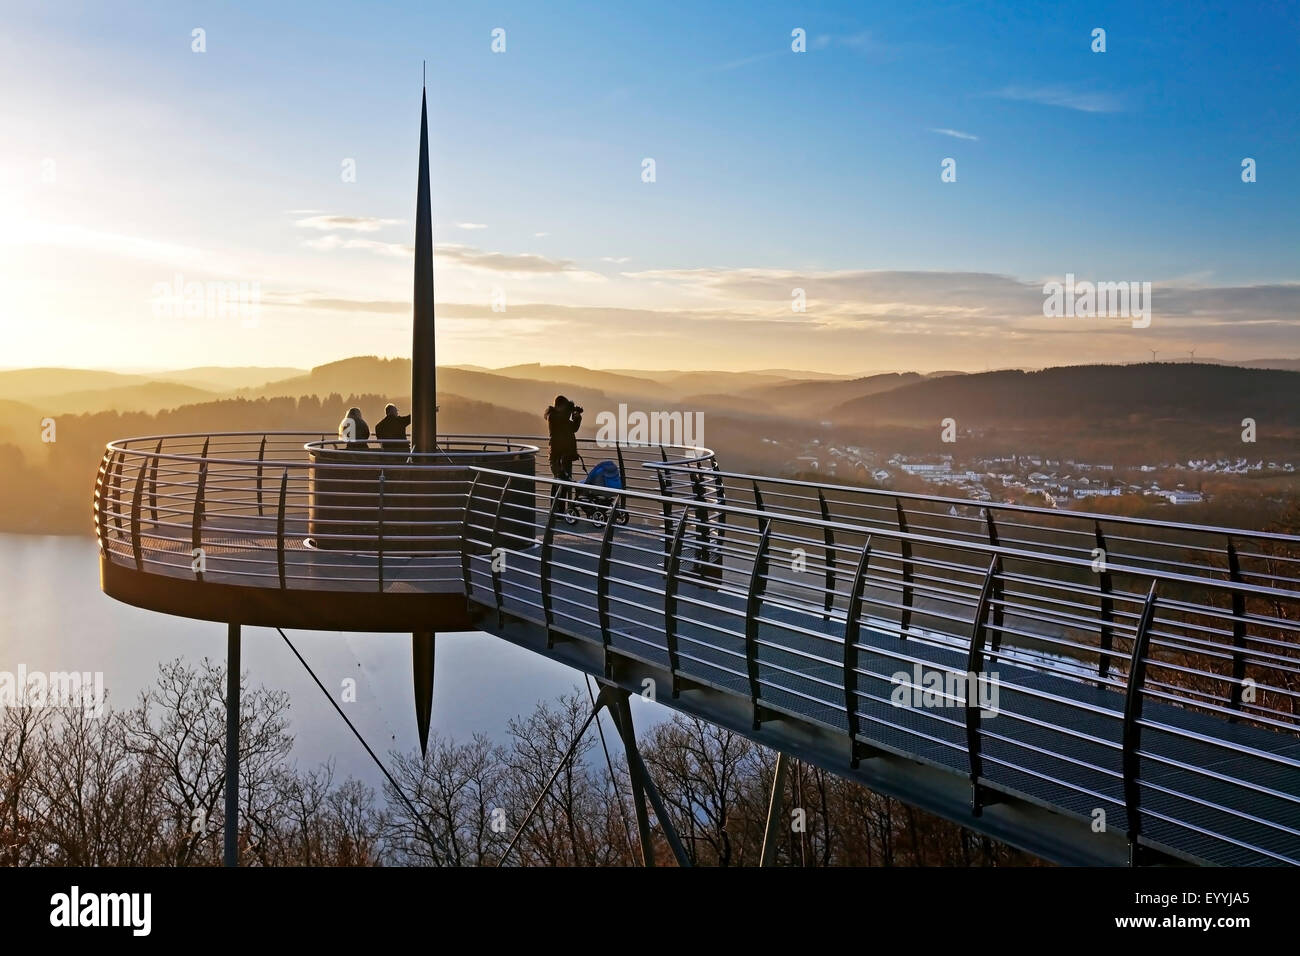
[353, 428]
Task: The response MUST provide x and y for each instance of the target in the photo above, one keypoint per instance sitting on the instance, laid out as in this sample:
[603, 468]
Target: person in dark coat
[563, 419]
[353, 428]
[392, 427]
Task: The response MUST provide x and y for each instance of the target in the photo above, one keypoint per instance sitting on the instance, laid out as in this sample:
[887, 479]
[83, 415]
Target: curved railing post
[279, 528]
[602, 585]
[117, 493]
[622, 468]
[544, 569]
[670, 601]
[704, 533]
[136, 548]
[153, 483]
[1238, 629]
[379, 534]
[974, 670]
[905, 553]
[101, 500]
[196, 518]
[753, 604]
[721, 498]
[261, 456]
[758, 497]
[464, 533]
[996, 641]
[1132, 731]
[1107, 635]
[664, 494]
[828, 535]
[493, 563]
[852, 632]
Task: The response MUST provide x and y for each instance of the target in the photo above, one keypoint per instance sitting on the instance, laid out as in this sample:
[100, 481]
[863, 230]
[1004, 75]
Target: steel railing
[1153, 684]
[1108, 542]
[1238, 554]
[304, 510]
[1168, 696]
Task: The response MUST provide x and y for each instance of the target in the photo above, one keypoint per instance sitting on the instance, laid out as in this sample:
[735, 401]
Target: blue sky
[774, 170]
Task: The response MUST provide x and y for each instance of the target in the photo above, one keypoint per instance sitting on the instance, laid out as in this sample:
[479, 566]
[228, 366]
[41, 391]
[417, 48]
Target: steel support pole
[651, 791]
[772, 830]
[623, 718]
[232, 745]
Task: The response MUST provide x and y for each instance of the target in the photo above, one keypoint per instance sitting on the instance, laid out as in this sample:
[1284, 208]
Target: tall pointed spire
[424, 418]
[424, 391]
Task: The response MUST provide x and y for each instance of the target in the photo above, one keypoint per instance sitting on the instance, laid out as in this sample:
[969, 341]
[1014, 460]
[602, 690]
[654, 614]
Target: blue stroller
[596, 496]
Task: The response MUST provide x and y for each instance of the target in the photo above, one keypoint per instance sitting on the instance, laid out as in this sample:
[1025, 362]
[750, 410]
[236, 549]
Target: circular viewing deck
[299, 530]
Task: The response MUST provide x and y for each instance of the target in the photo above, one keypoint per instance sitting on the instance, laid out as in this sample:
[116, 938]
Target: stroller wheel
[570, 513]
[623, 516]
[597, 516]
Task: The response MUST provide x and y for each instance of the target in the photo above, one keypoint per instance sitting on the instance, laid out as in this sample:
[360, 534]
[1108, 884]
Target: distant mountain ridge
[1203, 391]
[1182, 392]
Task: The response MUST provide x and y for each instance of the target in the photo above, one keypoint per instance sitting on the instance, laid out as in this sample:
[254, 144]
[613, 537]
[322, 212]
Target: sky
[156, 156]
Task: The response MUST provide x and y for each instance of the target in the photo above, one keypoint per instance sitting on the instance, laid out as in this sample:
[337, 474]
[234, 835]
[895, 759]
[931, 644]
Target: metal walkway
[1141, 729]
[1136, 683]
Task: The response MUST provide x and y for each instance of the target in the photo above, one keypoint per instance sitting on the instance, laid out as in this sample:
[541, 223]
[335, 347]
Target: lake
[56, 619]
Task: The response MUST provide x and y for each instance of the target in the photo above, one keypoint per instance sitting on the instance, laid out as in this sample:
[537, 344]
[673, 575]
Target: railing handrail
[121, 449]
[977, 547]
[529, 443]
[1000, 506]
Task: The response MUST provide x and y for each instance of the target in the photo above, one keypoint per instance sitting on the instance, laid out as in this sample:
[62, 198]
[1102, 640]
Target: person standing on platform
[563, 419]
[391, 429]
[353, 428]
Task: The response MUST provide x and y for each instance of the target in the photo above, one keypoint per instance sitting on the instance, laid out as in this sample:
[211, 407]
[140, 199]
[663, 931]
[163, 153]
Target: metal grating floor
[1055, 740]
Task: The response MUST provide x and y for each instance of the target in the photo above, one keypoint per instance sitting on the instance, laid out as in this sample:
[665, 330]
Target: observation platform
[1143, 674]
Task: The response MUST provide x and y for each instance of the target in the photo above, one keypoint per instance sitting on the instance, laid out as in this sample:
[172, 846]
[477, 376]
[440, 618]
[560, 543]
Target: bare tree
[455, 789]
[712, 782]
[178, 730]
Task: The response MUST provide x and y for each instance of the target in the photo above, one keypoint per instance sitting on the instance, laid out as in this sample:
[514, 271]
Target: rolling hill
[813, 399]
[145, 397]
[1181, 394]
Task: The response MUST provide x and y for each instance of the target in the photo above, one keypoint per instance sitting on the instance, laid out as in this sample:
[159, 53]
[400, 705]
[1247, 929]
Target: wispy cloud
[954, 133]
[331, 242]
[471, 225]
[862, 42]
[1063, 97]
[910, 317]
[352, 223]
[524, 262]
[330, 303]
[743, 61]
[617, 260]
[471, 257]
[857, 41]
[81, 237]
[539, 235]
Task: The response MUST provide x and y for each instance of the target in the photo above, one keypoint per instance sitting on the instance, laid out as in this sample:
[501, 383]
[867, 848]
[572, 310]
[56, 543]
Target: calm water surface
[54, 618]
